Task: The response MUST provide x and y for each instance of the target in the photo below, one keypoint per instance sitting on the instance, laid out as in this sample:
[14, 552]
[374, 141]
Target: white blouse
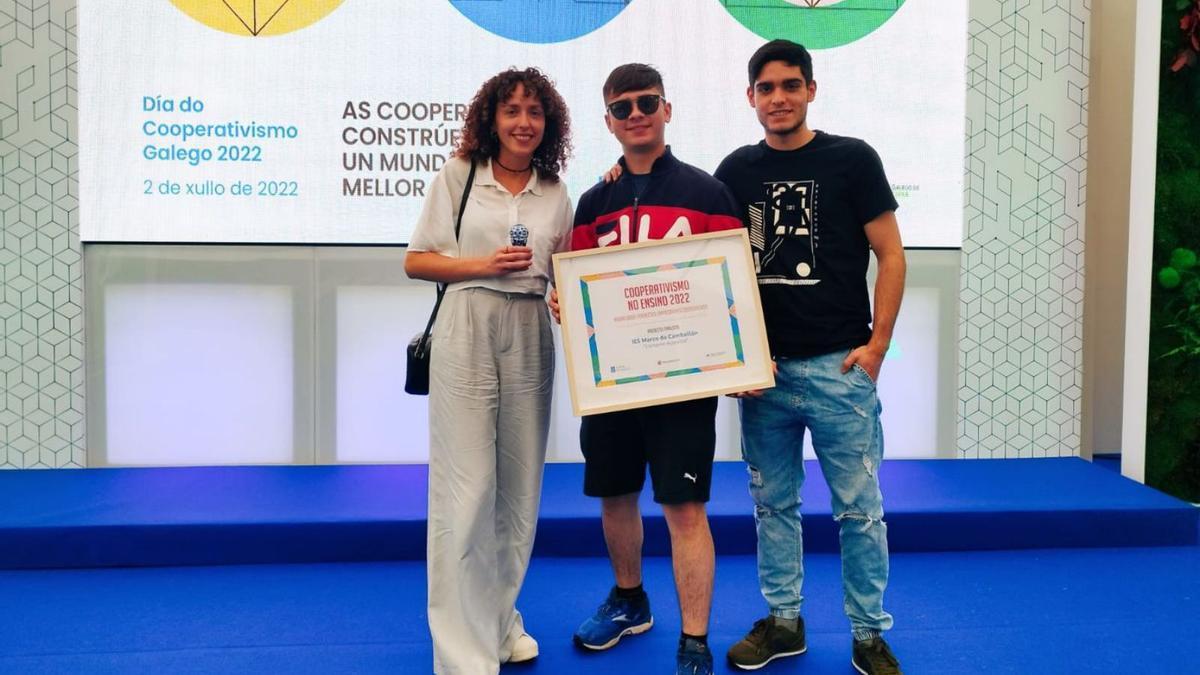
[543, 207]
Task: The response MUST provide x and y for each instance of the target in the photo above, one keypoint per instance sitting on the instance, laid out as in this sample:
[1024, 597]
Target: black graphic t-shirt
[805, 210]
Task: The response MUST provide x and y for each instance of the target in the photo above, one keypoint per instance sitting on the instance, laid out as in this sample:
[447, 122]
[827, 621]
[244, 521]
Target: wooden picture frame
[661, 321]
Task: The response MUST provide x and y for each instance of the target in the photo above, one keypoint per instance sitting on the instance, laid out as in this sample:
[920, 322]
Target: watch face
[257, 18]
[816, 24]
[540, 21]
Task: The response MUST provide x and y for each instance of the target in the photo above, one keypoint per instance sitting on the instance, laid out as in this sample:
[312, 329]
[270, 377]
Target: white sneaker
[524, 649]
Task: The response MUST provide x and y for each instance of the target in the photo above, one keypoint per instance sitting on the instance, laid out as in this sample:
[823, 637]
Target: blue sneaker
[616, 618]
[693, 658]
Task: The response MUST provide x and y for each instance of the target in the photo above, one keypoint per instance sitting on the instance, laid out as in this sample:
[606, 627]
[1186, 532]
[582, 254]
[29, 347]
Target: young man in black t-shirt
[816, 205]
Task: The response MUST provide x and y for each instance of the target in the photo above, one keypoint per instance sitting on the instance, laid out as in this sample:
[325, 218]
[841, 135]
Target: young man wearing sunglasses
[816, 206]
[657, 197]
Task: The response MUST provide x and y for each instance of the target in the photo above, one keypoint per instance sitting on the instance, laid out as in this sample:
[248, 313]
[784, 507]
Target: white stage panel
[198, 374]
[376, 421]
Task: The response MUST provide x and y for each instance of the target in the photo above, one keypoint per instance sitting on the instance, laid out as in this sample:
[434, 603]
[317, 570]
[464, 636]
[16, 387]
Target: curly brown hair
[478, 141]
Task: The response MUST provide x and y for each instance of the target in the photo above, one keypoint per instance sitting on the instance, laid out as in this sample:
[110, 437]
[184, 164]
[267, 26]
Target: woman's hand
[437, 267]
[506, 260]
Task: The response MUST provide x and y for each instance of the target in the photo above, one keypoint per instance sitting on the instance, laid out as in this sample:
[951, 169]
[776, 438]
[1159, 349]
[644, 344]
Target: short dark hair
[479, 143]
[789, 52]
[632, 77]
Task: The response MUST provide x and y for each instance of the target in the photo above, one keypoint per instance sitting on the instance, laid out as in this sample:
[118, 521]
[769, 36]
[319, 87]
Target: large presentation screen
[325, 121]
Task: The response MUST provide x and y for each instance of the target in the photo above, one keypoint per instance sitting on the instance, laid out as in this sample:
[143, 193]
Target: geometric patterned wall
[41, 289]
[1021, 303]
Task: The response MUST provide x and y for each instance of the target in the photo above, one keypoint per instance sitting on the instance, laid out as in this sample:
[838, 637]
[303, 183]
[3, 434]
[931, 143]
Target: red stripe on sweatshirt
[653, 222]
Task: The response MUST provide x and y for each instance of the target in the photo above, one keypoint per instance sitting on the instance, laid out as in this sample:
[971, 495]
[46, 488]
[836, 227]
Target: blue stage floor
[1131, 604]
[1132, 610]
[297, 514]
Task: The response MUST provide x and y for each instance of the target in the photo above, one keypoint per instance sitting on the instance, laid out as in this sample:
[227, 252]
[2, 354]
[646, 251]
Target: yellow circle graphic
[257, 18]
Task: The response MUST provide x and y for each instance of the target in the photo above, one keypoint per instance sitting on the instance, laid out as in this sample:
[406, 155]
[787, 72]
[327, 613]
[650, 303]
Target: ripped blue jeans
[841, 411]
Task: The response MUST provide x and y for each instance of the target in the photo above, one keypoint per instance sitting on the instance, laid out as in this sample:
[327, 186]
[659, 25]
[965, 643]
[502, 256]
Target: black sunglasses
[646, 103]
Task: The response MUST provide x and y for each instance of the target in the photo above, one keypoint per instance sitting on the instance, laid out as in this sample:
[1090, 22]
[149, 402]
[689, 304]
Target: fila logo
[682, 227]
[689, 477]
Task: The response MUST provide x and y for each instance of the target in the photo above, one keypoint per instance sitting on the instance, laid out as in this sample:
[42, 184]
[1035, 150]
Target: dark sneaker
[874, 657]
[766, 642]
[613, 620]
[693, 658]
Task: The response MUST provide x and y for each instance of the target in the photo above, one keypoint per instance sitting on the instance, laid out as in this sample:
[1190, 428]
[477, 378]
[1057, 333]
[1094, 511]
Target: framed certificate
[661, 321]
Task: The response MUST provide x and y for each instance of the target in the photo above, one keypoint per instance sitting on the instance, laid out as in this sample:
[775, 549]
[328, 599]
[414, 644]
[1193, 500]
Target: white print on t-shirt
[787, 213]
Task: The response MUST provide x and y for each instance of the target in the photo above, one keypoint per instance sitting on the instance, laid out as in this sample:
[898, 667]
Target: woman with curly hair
[492, 366]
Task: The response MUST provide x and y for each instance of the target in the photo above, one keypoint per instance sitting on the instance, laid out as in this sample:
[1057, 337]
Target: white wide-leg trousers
[491, 379]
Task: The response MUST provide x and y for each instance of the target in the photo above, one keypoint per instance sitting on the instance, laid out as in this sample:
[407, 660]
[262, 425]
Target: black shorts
[677, 440]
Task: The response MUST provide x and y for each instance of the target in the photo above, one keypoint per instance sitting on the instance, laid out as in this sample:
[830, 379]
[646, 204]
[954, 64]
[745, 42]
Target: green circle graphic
[814, 24]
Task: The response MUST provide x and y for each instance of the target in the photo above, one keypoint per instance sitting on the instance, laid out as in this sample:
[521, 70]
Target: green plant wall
[1173, 408]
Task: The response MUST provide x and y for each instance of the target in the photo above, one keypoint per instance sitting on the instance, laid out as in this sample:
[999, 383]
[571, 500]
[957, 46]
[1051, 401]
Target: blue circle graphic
[540, 21]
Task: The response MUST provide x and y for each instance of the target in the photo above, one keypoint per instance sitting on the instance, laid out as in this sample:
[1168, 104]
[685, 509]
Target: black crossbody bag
[416, 377]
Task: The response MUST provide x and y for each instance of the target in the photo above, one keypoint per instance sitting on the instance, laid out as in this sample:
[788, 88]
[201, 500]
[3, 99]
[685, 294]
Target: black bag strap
[441, 288]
